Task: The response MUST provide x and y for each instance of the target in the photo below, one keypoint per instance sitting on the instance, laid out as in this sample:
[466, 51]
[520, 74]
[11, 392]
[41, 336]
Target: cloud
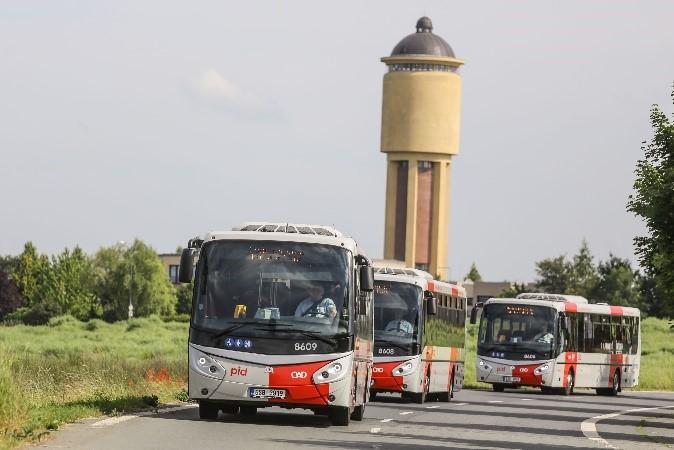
[212, 88]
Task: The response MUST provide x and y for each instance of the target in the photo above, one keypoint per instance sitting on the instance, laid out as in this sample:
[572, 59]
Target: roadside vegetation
[68, 369]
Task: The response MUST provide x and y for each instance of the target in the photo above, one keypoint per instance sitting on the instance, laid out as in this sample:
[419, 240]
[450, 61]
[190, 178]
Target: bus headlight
[482, 365]
[543, 368]
[330, 373]
[205, 365]
[405, 368]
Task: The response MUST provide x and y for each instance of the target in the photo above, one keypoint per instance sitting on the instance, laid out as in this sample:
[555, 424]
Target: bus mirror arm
[186, 269]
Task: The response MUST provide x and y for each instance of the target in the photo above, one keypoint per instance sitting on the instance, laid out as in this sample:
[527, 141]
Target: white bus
[281, 316]
[420, 335]
[558, 342]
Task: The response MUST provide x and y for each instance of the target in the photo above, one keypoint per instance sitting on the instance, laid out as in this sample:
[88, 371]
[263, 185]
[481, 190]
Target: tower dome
[423, 42]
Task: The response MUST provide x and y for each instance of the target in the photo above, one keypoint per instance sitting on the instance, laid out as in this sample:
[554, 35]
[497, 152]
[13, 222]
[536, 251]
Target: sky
[162, 120]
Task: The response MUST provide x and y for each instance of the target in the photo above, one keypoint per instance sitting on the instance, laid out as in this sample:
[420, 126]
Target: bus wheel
[248, 410]
[616, 384]
[358, 413]
[420, 397]
[546, 390]
[570, 381]
[373, 395]
[229, 409]
[447, 396]
[207, 410]
[498, 387]
[339, 416]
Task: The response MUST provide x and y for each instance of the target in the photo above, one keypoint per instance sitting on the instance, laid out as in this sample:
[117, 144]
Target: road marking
[385, 420]
[119, 419]
[589, 426]
[375, 430]
[526, 399]
[460, 404]
[432, 407]
[495, 401]
[404, 413]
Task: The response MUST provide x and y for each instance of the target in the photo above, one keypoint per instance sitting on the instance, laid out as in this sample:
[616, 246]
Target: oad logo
[240, 371]
[298, 374]
[377, 370]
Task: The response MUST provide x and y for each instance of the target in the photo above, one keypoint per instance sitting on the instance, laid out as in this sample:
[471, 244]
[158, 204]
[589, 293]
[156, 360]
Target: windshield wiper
[228, 330]
[302, 332]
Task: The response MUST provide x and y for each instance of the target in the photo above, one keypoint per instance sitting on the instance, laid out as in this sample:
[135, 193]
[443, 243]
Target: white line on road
[589, 426]
[495, 401]
[375, 430]
[119, 419]
[460, 404]
[526, 399]
[404, 413]
[385, 420]
[432, 407]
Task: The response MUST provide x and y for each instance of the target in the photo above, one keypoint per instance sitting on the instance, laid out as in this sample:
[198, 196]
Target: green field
[58, 373]
[54, 374]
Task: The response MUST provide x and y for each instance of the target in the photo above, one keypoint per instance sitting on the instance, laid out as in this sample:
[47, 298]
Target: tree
[10, 298]
[514, 290]
[31, 274]
[136, 271]
[473, 274]
[9, 264]
[184, 298]
[618, 283]
[577, 277]
[584, 277]
[653, 201]
[71, 284]
[555, 275]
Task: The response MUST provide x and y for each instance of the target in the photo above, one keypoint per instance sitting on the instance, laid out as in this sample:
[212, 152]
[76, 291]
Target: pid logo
[238, 371]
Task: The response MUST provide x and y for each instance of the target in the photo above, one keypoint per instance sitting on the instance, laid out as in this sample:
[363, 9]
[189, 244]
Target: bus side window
[572, 333]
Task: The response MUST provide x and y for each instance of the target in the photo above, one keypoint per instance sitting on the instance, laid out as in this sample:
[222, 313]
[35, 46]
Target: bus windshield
[396, 318]
[272, 289]
[515, 331]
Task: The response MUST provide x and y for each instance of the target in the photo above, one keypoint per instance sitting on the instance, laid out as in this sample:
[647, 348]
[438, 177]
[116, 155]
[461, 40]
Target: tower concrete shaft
[420, 134]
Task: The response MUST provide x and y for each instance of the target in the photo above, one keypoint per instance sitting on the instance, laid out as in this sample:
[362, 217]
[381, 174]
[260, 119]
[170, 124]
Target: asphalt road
[473, 420]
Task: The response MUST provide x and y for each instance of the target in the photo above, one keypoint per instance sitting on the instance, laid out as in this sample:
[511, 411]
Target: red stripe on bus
[570, 307]
[431, 285]
[616, 310]
[455, 292]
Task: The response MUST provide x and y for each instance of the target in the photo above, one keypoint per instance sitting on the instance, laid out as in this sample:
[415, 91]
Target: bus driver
[316, 305]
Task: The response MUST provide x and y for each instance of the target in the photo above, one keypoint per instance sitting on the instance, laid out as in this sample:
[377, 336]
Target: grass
[67, 370]
[61, 372]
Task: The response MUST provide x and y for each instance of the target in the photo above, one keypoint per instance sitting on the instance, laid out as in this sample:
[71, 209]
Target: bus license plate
[266, 393]
[511, 379]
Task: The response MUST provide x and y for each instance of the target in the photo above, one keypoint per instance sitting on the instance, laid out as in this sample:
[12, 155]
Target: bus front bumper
[514, 372]
[228, 381]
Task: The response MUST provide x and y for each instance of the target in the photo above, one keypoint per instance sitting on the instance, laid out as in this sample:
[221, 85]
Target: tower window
[420, 67]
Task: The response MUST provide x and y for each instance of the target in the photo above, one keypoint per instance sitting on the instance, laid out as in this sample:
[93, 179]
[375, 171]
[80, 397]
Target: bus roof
[287, 232]
[567, 303]
[418, 277]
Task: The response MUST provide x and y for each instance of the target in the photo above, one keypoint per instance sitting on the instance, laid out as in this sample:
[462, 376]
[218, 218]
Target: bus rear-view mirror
[431, 303]
[366, 278]
[186, 270]
[473, 315]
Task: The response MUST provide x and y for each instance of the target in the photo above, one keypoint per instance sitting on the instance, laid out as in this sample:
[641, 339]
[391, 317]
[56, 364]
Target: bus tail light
[543, 368]
[405, 368]
[331, 372]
